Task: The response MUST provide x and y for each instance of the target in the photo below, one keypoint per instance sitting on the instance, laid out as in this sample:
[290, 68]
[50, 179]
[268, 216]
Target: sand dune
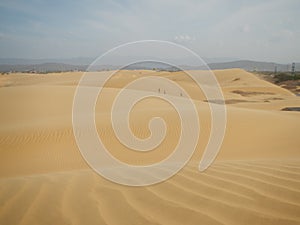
[44, 179]
[233, 192]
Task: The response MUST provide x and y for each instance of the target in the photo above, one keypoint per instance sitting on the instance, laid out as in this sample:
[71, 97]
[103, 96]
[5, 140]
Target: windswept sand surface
[44, 179]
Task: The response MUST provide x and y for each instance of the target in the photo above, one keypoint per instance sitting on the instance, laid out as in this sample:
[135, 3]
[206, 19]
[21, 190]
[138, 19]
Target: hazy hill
[81, 64]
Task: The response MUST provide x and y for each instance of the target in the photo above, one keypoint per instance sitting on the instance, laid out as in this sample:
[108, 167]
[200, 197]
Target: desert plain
[44, 179]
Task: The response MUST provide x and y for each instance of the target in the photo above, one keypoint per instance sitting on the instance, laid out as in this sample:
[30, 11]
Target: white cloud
[212, 28]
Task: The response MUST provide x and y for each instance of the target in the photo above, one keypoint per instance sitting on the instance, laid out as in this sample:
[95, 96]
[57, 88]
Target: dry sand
[44, 180]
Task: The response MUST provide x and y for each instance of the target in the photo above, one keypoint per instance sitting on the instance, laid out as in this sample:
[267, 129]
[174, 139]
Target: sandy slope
[44, 179]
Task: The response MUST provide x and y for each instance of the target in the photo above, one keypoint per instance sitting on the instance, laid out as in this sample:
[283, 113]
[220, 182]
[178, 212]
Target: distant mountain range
[249, 66]
[71, 61]
[42, 68]
[81, 64]
[253, 66]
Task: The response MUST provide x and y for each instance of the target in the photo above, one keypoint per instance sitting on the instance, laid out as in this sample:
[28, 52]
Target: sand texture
[255, 178]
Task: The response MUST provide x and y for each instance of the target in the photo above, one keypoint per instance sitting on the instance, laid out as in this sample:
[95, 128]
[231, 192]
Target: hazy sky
[254, 29]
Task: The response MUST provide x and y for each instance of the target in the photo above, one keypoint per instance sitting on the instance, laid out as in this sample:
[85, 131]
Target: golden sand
[44, 179]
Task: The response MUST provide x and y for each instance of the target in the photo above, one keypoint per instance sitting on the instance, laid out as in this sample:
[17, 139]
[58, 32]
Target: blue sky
[257, 30]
